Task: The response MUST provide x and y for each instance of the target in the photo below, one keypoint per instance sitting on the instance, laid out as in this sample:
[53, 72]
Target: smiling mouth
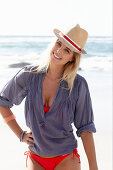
[55, 56]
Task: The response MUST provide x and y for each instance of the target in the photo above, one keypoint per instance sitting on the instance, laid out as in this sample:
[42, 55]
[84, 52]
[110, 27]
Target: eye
[59, 43]
[67, 50]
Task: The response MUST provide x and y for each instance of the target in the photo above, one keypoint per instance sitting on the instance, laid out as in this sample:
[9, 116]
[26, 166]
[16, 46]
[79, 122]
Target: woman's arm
[88, 143]
[5, 112]
[13, 125]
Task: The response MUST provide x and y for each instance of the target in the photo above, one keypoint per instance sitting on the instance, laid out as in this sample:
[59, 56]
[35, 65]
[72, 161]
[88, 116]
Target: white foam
[96, 63]
[100, 39]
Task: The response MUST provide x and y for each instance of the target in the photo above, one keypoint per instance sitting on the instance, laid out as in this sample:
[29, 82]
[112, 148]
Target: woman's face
[60, 54]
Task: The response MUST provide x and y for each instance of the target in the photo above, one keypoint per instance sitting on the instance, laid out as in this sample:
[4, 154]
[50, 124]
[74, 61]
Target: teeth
[56, 56]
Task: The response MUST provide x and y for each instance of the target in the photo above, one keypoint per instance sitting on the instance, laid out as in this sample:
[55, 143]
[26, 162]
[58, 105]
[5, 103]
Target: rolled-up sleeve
[83, 117]
[15, 90]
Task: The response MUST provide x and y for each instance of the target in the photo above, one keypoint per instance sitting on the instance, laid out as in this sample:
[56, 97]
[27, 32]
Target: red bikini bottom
[50, 163]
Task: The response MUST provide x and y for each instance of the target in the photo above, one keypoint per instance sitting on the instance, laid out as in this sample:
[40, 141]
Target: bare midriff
[42, 156]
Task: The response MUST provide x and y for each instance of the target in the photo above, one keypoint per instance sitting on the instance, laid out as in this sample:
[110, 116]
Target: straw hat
[75, 38]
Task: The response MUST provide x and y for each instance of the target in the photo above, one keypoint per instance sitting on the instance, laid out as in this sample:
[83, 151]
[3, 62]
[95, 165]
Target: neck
[55, 72]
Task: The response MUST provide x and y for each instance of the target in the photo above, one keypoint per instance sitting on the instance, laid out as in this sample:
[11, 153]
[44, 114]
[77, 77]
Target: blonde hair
[70, 69]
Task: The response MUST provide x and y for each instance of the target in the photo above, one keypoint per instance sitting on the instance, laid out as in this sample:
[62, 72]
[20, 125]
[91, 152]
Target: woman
[56, 97]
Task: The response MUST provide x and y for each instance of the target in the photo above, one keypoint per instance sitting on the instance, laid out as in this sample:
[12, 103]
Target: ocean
[22, 50]
[96, 67]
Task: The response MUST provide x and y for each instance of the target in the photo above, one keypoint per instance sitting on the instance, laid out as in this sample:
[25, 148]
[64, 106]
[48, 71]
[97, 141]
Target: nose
[58, 50]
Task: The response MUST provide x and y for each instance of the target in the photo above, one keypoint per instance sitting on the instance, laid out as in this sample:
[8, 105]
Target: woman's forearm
[88, 143]
[5, 112]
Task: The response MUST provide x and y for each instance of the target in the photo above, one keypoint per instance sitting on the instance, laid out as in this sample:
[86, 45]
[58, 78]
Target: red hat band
[71, 42]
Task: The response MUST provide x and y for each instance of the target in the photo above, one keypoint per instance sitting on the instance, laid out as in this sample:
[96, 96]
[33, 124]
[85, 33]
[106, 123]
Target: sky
[40, 17]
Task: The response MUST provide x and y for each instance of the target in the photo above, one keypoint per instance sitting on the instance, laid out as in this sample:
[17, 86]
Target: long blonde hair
[70, 69]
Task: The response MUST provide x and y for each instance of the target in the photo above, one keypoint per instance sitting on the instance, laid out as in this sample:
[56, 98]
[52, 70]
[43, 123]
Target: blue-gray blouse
[52, 132]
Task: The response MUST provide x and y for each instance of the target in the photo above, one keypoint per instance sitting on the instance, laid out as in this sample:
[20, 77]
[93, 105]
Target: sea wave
[96, 63]
[16, 51]
[90, 63]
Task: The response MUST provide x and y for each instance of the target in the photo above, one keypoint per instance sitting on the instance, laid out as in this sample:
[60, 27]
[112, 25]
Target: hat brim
[64, 41]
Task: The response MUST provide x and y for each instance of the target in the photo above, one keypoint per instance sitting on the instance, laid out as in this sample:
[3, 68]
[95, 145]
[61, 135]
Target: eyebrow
[59, 41]
[66, 47]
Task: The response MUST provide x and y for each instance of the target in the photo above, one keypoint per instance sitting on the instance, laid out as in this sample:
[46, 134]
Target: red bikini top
[46, 109]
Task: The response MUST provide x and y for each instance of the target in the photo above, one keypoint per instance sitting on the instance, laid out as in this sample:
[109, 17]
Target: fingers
[31, 139]
[28, 138]
[30, 135]
[29, 143]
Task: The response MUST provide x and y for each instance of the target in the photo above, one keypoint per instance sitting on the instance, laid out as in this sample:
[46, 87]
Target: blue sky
[39, 17]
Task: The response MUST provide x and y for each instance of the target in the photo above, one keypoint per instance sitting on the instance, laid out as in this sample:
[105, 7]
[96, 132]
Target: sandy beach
[12, 151]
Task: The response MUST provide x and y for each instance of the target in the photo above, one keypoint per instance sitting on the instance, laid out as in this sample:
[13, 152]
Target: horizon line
[48, 36]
